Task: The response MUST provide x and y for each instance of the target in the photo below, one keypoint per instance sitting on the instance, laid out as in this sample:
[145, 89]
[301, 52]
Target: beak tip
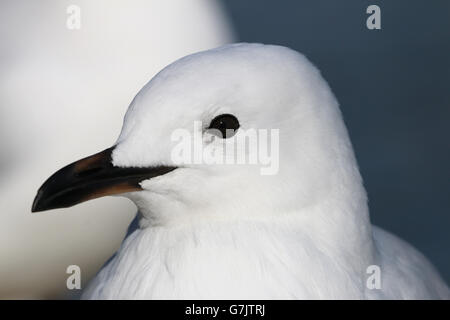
[37, 203]
[35, 209]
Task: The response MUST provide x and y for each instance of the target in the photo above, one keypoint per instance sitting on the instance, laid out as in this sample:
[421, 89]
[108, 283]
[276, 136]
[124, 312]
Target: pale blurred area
[63, 95]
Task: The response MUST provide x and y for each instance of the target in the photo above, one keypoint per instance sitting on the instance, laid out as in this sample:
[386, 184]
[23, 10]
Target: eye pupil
[227, 124]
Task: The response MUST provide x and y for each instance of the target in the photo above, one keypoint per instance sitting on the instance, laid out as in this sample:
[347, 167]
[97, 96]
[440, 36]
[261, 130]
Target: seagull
[225, 230]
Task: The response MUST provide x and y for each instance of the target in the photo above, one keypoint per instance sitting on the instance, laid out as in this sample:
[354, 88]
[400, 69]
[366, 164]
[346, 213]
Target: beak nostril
[88, 172]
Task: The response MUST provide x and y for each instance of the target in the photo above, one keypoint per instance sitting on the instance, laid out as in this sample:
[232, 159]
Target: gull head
[240, 131]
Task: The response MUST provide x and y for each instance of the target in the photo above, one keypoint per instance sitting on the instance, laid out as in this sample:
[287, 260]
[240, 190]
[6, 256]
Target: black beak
[91, 178]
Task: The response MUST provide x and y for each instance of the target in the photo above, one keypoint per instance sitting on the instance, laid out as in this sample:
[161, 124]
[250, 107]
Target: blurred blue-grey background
[393, 86]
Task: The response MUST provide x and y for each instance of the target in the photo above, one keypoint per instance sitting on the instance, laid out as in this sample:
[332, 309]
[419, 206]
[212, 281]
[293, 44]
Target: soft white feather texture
[222, 231]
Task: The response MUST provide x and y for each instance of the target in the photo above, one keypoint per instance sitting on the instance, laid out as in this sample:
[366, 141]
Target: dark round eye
[226, 124]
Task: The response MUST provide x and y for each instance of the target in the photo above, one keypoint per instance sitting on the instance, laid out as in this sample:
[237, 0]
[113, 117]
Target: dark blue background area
[393, 86]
